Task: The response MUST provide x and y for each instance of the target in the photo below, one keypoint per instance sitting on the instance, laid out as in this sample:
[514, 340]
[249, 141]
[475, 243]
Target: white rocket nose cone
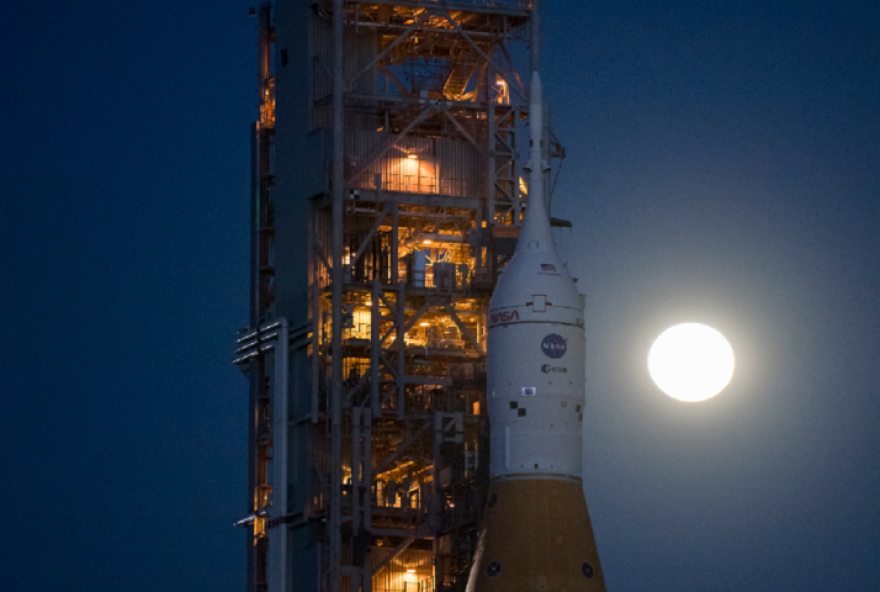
[535, 268]
[535, 234]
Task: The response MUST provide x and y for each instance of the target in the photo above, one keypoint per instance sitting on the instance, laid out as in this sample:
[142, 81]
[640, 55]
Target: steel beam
[401, 349]
[463, 131]
[388, 49]
[464, 330]
[424, 114]
[486, 58]
[521, 9]
[393, 555]
[370, 235]
[338, 189]
[375, 347]
[414, 436]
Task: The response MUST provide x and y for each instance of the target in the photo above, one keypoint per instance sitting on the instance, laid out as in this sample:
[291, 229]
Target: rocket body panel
[536, 537]
[536, 397]
[536, 360]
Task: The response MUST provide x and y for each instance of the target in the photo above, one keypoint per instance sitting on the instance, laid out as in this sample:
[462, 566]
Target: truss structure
[387, 194]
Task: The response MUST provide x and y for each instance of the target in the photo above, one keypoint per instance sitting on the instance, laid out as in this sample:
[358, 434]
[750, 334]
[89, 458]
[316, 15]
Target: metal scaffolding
[387, 195]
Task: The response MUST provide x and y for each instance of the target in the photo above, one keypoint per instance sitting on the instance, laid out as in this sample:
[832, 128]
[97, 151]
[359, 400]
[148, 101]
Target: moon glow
[691, 362]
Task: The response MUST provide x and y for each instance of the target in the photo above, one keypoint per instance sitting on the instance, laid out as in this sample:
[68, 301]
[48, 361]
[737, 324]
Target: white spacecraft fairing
[536, 533]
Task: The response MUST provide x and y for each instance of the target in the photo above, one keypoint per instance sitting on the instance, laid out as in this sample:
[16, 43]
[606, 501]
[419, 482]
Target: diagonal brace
[463, 131]
[388, 49]
[401, 449]
[479, 51]
[385, 211]
[422, 116]
[464, 330]
[394, 554]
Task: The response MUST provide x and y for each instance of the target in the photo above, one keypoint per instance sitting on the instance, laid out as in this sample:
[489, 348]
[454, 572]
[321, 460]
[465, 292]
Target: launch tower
[387, 195]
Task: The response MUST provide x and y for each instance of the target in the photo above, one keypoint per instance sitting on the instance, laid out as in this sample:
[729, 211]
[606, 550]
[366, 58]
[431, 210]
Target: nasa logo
[547, 369]
[554, 346]
[504, 316]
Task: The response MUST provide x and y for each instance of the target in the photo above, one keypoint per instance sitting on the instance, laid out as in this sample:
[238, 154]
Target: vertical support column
[260, 169]
[335, 522]
[491, 173]
[515, 169]
[255, 227]
[315, 305]
[437, 499]
[279, 568]
[355, 467]
[255, 366]
[395, 242]
[401, 349]
[367, 531]
[356, 524]
[316, 348]
[375, 346]
[516, 166]
[478, 250]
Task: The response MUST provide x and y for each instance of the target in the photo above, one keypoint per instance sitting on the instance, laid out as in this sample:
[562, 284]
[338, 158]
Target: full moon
[691, 362]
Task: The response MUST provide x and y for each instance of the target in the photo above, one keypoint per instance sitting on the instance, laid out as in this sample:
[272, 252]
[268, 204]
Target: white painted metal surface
[536, 349]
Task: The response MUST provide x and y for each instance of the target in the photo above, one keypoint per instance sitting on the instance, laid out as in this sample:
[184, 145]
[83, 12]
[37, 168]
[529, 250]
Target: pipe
[245, 358]
[245, 347]
[251, 518]
[375, 347]
[246, 337]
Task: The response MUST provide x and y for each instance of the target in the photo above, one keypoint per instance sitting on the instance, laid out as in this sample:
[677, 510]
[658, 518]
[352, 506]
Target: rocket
[536, 534]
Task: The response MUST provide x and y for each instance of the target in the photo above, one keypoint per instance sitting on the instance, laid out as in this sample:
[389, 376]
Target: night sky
[723, 167]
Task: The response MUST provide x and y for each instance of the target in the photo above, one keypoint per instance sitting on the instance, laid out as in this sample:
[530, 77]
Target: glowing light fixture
[412, 156]
[423, 324]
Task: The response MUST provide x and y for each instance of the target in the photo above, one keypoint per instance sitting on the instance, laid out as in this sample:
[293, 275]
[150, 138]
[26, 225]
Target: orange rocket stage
[536, 536]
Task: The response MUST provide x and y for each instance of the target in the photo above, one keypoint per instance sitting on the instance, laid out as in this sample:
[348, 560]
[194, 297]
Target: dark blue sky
[723, 167]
